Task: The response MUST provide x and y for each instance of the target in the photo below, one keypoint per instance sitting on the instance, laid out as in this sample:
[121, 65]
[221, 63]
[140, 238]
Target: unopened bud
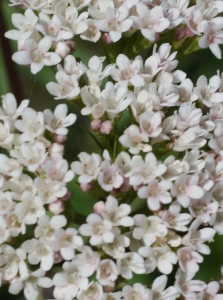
[57, 257]
[56, 148]
[99, 207]
[60, 139]
[66, 196]
[64, 48]
[180, 33]
[109, 288]
[56, 207]
[96, 124]
[85, 187]
[106, 127]
[106, 38]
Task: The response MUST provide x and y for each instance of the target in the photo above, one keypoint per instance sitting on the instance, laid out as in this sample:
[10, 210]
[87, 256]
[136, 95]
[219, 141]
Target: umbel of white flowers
[159, 181]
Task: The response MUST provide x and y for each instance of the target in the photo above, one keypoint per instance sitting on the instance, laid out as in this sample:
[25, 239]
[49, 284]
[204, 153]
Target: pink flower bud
[57, 257]
[161, 114]
[106, 38]
[125, 187]
[56, 207]
[66, 196]
[64, 48]
[161, 213]
[60, 139]
[56, 148]
[99, 207]
[96, 124]
[86, 187]
[137, 187]
[106, 127]
[180, 33]
[109, 288]
[189, 32]
[219, 158]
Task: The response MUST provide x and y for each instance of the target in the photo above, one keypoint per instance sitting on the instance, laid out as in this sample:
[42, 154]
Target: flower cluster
[47, 37]
[159, 180]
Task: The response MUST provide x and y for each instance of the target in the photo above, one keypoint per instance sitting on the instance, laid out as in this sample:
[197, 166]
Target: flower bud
[57, 257]
[56, 207]
[60, 139]
[180, 33]
[106, 38]
[86, 187]
[64, 48]
[66, 196]
[106, 127]
[109, 288]
[96, 124]
[99, 207]
[56, 148]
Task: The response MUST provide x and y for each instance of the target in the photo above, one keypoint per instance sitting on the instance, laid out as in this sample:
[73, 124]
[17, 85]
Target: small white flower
[98, 229]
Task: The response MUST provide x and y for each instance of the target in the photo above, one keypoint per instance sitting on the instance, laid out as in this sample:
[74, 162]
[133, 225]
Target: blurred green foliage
[33, 88]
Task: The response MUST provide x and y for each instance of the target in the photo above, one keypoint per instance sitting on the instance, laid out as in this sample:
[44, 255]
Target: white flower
[118, 215]
[95, 73]
[36, 54]
[39, 252]
[9, 110]
[172, 218]
[195, 238]
[187, 287]
[156, 193]
[116, 21]
[9, 166]
[107, 272]
[162, 257]
[150, 21]
[24, 23]
[144, 171]
[88, 168]
[188, 116]
[115, 99]
[148, 229]
[128, 71]
[57, 169]
[30, 155]
[93, 292]
[69, 281]
[130, 262]
[87, 261]
[188, 259]
[31, 125]
[46, 227]
[30, 208]
[91, 97]
[135, 140]
[58, 121]
[150, 123]
[185, 188]
[52, 27]
[48, 190]
[109, 176]
[98, 229]
[137, 291]
[207, 92]
[117, 248]
[212, 37]
[13, 262]
[159, 292]
[74, 21]
[66, 88]
[66, 241]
